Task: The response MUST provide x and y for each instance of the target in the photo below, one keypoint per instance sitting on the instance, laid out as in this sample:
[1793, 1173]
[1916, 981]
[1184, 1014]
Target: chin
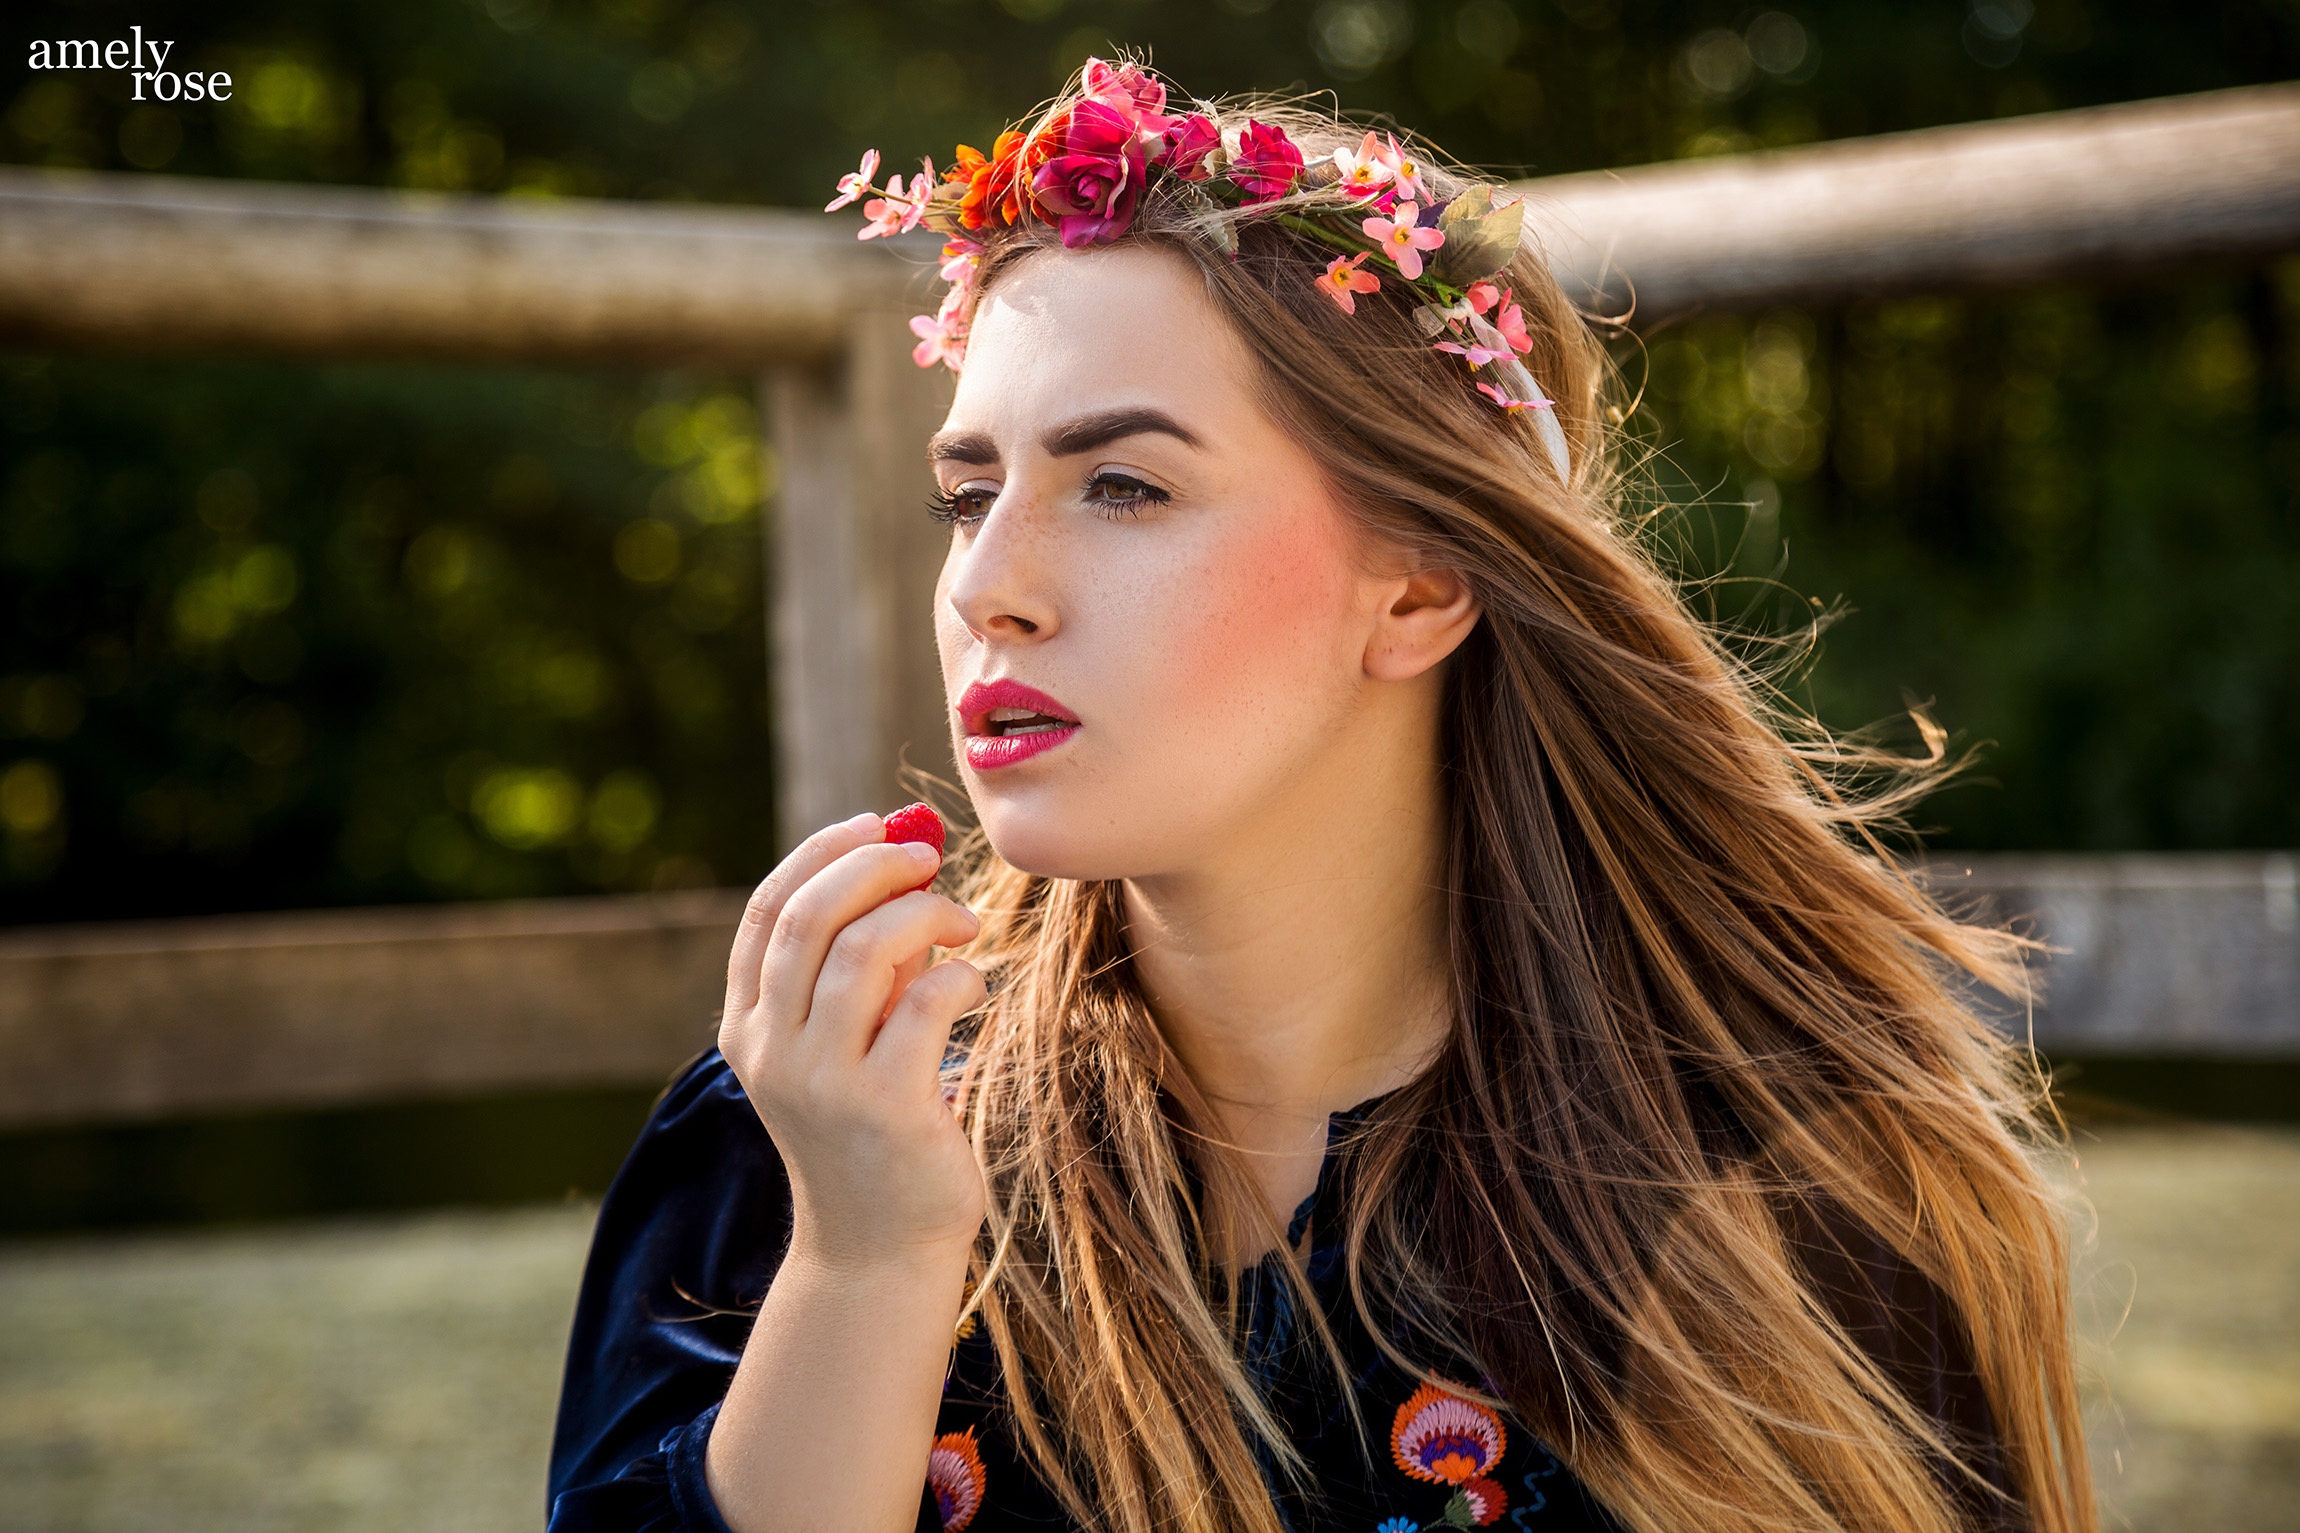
[1051, 834]
[1048, 845]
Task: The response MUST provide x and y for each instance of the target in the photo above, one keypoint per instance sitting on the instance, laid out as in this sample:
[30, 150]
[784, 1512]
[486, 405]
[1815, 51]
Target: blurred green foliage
[284, 635]
[293, 635]
[2070, 522]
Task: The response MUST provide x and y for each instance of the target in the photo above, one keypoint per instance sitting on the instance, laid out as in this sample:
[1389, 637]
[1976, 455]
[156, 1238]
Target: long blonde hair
[1694, 1001]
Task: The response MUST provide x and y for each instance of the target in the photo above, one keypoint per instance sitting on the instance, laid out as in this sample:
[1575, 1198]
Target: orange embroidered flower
[954, 1473]
[1444, 1439]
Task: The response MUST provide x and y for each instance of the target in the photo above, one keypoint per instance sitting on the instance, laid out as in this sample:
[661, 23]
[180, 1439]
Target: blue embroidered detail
[1549, 1466]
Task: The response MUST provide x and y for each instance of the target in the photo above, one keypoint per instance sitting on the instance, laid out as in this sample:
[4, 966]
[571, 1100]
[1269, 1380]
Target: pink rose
[1266, 162]
[1090, 186]
[1131, 93]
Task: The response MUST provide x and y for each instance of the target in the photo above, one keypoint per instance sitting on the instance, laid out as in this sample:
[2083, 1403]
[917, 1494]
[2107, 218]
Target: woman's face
[1148, 552]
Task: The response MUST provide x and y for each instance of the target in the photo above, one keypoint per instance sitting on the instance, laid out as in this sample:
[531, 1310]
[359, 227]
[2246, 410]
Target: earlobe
[1424, 617]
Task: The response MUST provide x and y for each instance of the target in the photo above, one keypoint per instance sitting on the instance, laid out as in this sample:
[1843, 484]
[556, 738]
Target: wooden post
[852, 564]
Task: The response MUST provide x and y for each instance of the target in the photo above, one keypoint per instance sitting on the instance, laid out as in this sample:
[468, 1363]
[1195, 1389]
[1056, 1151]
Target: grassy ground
[2189, 1303]
[392, 1374]
[399, 1374]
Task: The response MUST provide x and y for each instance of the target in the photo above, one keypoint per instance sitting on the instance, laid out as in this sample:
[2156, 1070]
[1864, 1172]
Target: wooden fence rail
[2106, 192]
[2196, 956]
[147, 262]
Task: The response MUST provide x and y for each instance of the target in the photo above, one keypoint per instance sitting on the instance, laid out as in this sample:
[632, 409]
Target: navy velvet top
[696, 1222]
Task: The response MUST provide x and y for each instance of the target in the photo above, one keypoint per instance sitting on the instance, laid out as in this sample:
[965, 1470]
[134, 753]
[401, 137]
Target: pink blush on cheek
[1259, 612]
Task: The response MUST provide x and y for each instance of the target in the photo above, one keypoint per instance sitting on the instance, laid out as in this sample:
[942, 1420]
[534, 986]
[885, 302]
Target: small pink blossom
[1363, 170]
[1403, 240]
[1477, 353]
[942, 334]
[959, 258]
[1266, 164]
[1188, 144]
[899, 211]
[937, 343]
[1343, 281]
[1482, 296]
[885, 215]
[1501, 398]
[1405, 172]
[854, 183]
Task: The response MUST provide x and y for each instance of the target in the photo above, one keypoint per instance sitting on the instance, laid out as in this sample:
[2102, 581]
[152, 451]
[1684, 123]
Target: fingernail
[864, 821]
[923, 852]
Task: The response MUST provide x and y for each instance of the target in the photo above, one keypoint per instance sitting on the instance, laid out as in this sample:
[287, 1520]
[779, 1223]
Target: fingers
[807, 859]
[917, 1032]
[854, 980]
[905, 972]
[852, 885]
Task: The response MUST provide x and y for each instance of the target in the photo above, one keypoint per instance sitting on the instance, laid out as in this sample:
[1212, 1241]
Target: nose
[1001, 583]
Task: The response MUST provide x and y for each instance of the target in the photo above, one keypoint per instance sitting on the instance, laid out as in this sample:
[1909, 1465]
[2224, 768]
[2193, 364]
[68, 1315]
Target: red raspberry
[916, 822]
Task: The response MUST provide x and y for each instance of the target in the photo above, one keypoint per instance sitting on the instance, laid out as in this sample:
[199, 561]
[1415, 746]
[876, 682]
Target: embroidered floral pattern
[1486, 1502]
[1446, 1440]
[954, 1472]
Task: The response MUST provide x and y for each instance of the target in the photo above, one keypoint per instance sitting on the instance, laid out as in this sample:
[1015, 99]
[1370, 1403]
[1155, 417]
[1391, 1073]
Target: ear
[1423, 617]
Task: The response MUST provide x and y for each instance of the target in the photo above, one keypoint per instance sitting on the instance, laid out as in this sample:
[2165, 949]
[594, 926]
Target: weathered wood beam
[2155, 953]
[2189, 956]
[172, 263]
[2099, 193]
[91, 259]
[142, 1020]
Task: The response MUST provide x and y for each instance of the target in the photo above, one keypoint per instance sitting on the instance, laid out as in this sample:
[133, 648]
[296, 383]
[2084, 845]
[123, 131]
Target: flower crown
[1086, 164]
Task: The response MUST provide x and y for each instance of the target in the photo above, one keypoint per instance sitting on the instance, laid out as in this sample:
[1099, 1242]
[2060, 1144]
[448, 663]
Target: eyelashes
[954, 508]
[1107, 494]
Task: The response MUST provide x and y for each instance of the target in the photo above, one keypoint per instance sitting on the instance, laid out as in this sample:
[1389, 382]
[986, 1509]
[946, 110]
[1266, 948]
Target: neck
[1305, 970]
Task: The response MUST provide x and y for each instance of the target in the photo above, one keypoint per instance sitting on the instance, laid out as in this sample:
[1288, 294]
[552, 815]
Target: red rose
[1090, 185]
[1266, 163]
[1188, 142]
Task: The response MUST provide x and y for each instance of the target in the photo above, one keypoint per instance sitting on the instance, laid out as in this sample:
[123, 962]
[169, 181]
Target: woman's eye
[1110, 493]
[962, 507]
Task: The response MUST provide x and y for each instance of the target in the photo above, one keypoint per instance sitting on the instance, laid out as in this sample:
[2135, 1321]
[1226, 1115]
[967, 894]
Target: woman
[1425, 1046]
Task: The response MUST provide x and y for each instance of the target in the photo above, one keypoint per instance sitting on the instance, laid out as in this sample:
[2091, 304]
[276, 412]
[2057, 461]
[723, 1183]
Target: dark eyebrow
[961, 447]
[1091, 431]
[1070, 438]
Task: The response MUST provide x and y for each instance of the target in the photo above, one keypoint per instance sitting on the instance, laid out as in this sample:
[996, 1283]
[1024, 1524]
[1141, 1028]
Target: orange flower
[1018, 158]
[974, 172]
[1000, 181]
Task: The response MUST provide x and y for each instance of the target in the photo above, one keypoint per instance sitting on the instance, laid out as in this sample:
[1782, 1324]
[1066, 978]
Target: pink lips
[985, 749]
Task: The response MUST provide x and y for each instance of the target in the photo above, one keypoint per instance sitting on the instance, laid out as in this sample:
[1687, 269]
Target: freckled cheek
[1255, 620]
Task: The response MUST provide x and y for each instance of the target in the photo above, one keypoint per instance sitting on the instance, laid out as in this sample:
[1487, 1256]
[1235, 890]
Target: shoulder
[702, 1186]
[689, 1236]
